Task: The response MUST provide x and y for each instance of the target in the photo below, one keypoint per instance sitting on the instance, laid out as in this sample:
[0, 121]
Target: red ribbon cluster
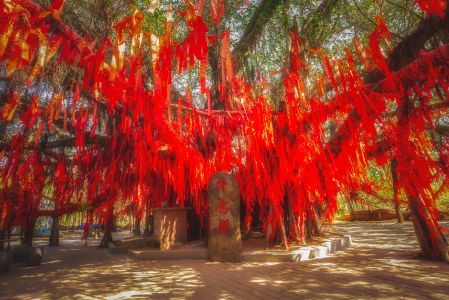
[149, 150]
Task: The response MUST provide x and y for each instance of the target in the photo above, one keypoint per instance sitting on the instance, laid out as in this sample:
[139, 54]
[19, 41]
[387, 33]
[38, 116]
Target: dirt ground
[382, 263]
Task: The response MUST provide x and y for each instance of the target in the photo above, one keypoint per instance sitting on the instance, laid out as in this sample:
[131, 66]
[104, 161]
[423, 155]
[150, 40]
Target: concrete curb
[301, 254]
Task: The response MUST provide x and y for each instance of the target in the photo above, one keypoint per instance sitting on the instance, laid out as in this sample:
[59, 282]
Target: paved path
[381, 264]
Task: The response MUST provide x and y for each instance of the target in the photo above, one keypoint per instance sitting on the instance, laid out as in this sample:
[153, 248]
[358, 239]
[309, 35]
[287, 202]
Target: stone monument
[225, 243]
[170, 227]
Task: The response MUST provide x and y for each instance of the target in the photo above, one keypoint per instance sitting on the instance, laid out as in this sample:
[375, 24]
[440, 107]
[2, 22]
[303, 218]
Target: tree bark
[136, 227]
[283, 233]
[9, 228]
[318, 210]
[107, 236]
[3, 222]
[253, 30]
[54, 232]
[401, 56]
[28, 234]
[350, 201]
[313, 221]
[146, 221]
[106, 239]
[296, 226]
[397, 206]
[431, 240]
[269, 230]
[2, 239]
[408, 49]
[436, 247]
[308, 224]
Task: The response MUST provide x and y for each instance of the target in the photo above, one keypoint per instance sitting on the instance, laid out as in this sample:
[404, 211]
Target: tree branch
[253, 30]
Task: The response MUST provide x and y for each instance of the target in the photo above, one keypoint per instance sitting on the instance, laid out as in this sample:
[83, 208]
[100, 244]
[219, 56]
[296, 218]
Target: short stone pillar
[5, 261]
[34, 256]
[170, 227]
[225, 242]
[19, 253]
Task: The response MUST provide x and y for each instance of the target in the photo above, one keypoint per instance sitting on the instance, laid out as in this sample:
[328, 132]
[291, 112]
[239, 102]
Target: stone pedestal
[225, 243]
[34, 256]
[19, 253]
[170, 227]
[5, 261]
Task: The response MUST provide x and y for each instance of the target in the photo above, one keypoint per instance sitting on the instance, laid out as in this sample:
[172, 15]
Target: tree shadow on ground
[382, 263]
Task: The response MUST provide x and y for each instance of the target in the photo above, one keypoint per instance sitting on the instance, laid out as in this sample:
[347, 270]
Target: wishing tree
[118, 129]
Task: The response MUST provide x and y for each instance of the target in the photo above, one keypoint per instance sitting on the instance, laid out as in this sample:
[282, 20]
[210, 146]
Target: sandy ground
[382, 263]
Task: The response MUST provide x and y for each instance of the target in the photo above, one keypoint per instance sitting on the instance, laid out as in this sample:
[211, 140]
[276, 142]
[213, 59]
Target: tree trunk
[54, 233]
[215, 67]
[283, 233]
[350, 201]
[3, 222]
[288, 221]
[252, 32]
[8, 229]
[114, 225]
[296, 227]
[308, 226]
[269, 230]
[397, 206]
[146, 221]
[136, 229]
[398, 211]
[313, 222]
[430, 238]
[107, 237]
[2, 239]
[28, 234]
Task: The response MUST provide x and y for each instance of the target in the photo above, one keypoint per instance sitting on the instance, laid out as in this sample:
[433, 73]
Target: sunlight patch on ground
[370, 269]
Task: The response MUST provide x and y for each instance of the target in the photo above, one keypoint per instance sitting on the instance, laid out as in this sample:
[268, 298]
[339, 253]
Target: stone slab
[170, 227]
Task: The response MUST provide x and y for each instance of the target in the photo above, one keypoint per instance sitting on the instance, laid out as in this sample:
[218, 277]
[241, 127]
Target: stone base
[19, 253]
[300, 254]
[225, 242]
[34, 256]
[224, 251]
[5, 261]
[170, 227]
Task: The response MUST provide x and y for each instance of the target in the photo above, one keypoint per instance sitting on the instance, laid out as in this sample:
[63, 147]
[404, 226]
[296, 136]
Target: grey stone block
[302, 254]
[34, 256]
[347, 240]
[5, 261]
[19, 253]
[328, 245]
[337, 244]
[319, 252]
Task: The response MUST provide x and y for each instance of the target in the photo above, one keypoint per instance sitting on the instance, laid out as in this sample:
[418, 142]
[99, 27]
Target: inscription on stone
[225, 243]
